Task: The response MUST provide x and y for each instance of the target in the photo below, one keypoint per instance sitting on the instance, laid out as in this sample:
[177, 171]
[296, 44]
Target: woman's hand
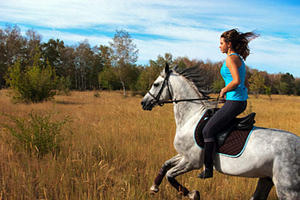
[222, 93]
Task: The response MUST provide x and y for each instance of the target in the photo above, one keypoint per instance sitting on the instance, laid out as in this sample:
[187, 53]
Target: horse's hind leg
[162, 172]
[286, 174]
[263, 189]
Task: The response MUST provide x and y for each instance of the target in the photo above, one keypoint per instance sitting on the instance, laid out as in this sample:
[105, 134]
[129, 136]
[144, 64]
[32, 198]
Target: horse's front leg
[182, 167]
[163, 170]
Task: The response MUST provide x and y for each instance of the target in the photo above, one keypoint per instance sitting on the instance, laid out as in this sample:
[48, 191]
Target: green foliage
[35, 84]
[36, 134]
[268, 91]
[148, 76]
[132, 73]
[297, 87]
[88, 68]
[218, 85]
[257, 83]
[287, 84]
[63, 85]
[124, 55]
[144, 82]
[108, 79]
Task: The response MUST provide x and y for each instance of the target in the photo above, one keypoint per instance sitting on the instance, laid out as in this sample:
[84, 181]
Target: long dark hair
[239, 41]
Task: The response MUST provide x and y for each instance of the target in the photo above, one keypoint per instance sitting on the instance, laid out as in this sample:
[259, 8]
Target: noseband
[157, 97]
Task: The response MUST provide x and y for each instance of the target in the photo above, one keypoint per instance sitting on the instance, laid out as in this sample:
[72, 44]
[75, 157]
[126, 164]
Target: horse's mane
[198, 77]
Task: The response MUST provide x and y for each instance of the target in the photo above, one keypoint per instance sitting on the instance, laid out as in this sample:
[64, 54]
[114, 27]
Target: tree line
[112, 66]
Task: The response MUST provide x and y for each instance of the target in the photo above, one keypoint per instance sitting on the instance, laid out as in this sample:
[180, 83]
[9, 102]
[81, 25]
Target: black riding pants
[221, 119]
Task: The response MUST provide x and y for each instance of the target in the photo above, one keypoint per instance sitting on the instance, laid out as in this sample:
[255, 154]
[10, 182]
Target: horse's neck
[184, 110]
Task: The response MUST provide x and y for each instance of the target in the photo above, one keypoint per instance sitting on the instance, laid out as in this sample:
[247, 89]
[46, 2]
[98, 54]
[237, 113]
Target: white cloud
[181, 27]
[276, 54]
[70, 38]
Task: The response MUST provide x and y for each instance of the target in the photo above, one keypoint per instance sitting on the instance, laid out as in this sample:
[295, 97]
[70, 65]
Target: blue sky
[180, 27]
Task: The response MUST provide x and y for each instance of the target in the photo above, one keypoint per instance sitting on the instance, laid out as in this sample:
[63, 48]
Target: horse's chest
[182, 142]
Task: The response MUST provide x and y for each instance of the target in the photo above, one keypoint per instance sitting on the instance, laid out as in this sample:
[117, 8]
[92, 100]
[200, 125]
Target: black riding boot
[208, 160]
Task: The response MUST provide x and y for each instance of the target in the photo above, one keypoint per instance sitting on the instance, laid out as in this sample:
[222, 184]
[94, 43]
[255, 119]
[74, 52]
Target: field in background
[113, 149]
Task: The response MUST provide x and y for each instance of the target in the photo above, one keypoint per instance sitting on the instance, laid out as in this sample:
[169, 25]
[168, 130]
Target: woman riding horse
[233, 71]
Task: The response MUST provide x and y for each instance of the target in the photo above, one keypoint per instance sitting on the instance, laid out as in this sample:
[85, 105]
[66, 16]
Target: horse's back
[277, 138]
[263, 155]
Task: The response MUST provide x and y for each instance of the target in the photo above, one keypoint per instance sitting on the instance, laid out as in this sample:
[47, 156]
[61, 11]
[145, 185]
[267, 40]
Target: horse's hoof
[194, 195]
[154, 189]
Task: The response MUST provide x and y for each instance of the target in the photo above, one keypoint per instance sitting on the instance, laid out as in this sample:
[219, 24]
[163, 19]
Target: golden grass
[113, 149]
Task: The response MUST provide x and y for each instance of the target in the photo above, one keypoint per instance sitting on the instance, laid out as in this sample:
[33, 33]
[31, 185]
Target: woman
[233, 71]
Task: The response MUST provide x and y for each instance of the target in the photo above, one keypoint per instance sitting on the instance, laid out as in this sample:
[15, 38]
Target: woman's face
[224, 46]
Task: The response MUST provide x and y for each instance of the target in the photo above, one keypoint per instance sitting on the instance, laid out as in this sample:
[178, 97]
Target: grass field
[112, 149]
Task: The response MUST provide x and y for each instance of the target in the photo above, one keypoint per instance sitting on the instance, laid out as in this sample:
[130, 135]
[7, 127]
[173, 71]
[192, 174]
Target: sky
[190, 28]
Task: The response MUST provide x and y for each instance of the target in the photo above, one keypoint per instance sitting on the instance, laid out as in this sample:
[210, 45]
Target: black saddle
[245, 123]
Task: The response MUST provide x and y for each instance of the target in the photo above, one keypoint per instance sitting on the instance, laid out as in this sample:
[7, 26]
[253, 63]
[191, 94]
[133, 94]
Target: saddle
[236, 133]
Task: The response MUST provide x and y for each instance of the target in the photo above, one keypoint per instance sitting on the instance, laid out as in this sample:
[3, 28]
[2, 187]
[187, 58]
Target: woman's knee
[207, 132]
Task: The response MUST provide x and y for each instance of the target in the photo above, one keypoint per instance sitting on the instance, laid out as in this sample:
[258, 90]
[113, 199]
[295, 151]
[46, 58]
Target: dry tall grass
[113, 150]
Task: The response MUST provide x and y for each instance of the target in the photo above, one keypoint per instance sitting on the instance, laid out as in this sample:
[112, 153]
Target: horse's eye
[156, 84]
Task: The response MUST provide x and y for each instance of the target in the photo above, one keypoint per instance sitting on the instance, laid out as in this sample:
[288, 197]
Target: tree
[148, 74]
[3, 65]
[256, 83]
[37, 83]
[32, 46]
[14, 45]
[108, 79]
[83, 64]
[124, 54]
[268, 91]
[105, 53]
[51, 52]
[12, 48]
[184, 62]
[287, 84]
[68, 65]
[218, 85]
[297, 86]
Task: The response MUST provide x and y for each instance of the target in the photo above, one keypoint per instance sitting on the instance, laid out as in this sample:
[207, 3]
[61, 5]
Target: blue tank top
[240, 93]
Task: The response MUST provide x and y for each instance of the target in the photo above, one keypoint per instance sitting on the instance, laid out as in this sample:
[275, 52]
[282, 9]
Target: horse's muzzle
[147, 105]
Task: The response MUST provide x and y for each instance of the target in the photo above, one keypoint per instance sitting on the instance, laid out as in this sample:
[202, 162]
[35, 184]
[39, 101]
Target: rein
[166, 83]
[180, 100]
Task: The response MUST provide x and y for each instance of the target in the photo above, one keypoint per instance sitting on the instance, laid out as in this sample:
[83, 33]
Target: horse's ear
[167, 69]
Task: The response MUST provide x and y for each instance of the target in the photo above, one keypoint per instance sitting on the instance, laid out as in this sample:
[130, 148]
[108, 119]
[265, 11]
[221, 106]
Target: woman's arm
[233, 63]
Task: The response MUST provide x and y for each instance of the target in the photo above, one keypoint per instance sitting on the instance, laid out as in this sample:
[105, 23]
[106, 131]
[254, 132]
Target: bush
[34, 84]
[36, 134]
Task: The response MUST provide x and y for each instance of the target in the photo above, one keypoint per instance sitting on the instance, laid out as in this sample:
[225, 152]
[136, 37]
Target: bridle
[157, 97]
[166, 83]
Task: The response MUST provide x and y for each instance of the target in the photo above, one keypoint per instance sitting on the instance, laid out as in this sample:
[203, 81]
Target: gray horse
[271, 155]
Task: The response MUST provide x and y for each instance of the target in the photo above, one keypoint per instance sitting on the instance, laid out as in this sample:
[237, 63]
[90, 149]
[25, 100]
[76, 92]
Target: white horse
[271, 155]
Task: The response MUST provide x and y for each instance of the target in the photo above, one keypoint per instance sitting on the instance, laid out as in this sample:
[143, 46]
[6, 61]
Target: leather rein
[162, 102]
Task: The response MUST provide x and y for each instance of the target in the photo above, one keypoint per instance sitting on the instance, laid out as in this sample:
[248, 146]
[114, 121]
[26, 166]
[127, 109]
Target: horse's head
[160, 90]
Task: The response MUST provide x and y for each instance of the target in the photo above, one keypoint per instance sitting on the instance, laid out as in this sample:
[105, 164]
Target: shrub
[36, 134]
[34, 84]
